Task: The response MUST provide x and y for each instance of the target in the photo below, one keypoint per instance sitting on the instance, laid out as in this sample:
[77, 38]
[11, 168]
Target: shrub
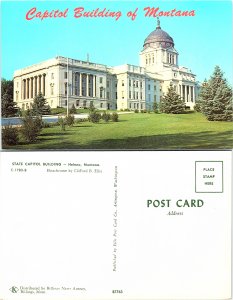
[46, 125]
[91, 107]
[106, 116]
[69, 120]
[198, 106]
[94, 117]
[114, 117]
[143, 111]
[31, 128]
[10, 135]
[73, 110]
[62, 122]
[136, 110]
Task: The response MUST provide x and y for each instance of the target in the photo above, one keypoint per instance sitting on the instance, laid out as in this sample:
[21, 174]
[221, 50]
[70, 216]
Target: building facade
[69, 81]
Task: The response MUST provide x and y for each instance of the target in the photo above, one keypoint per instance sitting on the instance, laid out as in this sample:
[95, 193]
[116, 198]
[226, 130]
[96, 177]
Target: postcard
[117, 75]
[103, 226]
[116, 150]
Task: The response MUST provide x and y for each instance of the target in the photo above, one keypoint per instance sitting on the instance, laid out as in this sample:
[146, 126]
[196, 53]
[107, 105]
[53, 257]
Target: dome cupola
[158, 38]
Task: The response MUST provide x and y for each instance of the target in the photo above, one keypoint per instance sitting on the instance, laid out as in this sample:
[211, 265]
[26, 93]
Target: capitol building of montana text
[84, 83]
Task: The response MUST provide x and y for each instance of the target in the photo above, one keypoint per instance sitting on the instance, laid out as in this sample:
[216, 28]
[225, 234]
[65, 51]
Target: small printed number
[117, 291]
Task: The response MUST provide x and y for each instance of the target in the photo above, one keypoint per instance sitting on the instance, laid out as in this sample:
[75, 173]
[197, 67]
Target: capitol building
[84, 83]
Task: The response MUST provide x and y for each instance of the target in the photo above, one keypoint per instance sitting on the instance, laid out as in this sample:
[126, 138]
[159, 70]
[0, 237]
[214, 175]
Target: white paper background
[57, 228]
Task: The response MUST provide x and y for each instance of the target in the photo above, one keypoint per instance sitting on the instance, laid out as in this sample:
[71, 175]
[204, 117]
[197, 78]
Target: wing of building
[83, 83]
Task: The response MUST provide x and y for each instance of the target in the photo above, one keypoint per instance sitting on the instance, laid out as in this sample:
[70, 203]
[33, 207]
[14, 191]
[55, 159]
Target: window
[136, 95]
[116, 84]
[84, 103]
[77, 102]
[116, 95]
[122, 83]
[107, 83]
[108, 95]
[141, 95]
[129, 94]
[129, 82]
[52, 75]
[136, 83]
[148, 87]
[101, 105]
[140, 84]
[65, 88]
[101, 93]
[51, 90]
[65, 75]
[123, 95]
[149, 97]
[133, 95]
[101, 79]
[17, 96]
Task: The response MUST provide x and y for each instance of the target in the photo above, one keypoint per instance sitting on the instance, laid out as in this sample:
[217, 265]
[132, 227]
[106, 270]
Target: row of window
[150, 59]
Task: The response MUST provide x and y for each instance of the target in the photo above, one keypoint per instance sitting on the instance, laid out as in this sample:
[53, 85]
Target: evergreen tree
[73, 110]
[216, 98]
[155, 106]
[9, 108]
[40, 106]
[171, 103]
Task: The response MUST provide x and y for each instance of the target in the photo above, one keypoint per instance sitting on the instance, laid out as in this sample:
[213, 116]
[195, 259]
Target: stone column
[94, 86]
[44, 75]
[184, 93]
[31, 87]
[24, 89]
[188, 93]
[42, 85]
[87, 85]
[80, 84]
[73, 83]
[35, 86]
[27, 88]
[39, 84]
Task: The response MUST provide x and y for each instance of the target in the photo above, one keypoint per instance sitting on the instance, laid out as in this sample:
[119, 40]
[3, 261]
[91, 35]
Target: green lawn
[140, 131]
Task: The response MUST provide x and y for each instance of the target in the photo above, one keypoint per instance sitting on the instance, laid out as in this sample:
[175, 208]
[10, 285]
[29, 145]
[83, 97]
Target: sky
[202, 41]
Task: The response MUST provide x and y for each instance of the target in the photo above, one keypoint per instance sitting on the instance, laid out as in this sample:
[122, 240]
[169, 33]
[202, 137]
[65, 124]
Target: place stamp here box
[209, 177]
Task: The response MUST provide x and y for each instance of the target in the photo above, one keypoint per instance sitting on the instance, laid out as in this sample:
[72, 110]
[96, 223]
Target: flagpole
[67, 92]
